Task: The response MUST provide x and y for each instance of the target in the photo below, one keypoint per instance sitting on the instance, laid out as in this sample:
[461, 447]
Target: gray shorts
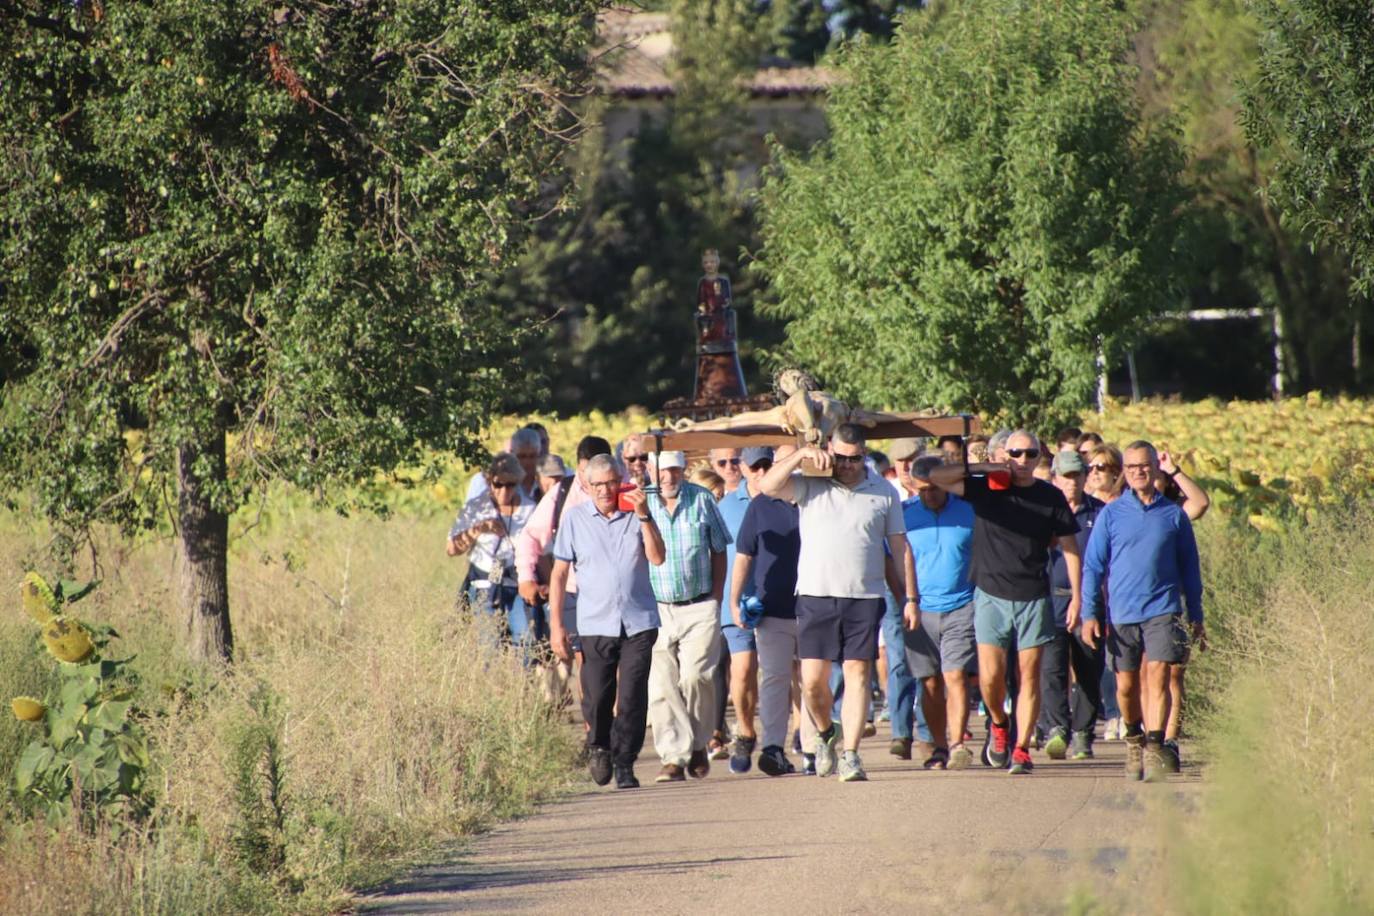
[1000, 621]
[943, 642]
[1159, 639]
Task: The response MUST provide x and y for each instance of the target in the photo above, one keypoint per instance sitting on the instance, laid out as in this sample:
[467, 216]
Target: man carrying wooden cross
[844, 520]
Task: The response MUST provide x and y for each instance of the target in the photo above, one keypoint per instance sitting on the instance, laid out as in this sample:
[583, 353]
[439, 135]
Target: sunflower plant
[91, 755]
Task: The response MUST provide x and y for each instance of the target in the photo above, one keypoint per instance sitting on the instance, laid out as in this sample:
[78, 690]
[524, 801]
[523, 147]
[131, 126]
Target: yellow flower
[39, 601]
[27, 709]
[67, 640]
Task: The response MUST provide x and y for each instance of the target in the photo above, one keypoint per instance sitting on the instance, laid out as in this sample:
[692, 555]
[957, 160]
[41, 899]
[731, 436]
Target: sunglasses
[722, 462]
[1028, 452]
[761, 465]
[636, 458]
[1102, 468]
[502, 484]
[849, 459]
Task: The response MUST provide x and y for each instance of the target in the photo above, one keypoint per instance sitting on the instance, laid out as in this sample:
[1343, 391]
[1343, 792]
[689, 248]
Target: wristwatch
[1172, 474]
[912, 601]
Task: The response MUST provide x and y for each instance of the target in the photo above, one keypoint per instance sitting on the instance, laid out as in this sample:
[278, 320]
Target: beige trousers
[682, 693]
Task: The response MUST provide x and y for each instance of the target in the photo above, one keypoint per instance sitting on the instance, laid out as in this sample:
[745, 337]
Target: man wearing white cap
[689, 586]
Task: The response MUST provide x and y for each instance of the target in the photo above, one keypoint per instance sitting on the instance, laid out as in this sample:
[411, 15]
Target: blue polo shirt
[613, 589]
[1147, 558]
[1061, 591]
[732, 507]
[771, 534]
[943, 544]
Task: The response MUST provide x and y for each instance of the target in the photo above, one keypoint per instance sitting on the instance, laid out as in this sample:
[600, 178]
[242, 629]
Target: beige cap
[901, 449]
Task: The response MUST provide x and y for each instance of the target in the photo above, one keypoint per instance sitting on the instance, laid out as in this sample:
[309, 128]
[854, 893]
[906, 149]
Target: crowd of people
[1051, 587]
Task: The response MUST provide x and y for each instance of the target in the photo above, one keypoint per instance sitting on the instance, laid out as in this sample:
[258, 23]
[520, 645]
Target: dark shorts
[1159, 639]
[943, 642]
[838, 629]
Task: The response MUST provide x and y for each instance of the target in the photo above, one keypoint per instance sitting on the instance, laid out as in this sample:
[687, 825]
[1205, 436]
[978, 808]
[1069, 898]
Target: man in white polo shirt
[845, 520]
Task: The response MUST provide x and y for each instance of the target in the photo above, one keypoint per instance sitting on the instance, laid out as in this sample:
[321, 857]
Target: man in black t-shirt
[1018, 518]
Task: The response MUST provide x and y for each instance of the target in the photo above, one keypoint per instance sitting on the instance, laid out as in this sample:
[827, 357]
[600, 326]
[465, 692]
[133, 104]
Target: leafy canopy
[1313, 103]
[990, 207]
[267, 222]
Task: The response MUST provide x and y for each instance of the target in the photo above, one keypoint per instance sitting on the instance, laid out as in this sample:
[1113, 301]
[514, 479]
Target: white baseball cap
[663, 460]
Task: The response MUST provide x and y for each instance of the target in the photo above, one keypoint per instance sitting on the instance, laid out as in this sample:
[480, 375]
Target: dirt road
[906, 841]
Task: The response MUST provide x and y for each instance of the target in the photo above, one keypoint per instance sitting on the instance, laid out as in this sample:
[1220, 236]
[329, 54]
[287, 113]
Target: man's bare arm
[739, 578]
[777, 483]
[558, 590]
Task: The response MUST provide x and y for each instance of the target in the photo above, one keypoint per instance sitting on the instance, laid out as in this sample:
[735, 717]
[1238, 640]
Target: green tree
[989, 210]
[247, 242]
[1312, 105]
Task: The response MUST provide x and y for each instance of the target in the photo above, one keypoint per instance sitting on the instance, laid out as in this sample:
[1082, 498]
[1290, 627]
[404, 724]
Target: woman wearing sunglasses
[1104, 472]
[485, 532]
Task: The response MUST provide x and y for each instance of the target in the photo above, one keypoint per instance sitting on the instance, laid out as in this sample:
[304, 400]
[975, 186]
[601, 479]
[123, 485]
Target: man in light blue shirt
[617, 616]
[941, 647]
[1143, 552]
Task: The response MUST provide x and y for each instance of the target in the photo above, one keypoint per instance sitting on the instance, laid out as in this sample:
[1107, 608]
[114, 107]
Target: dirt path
[906, 841]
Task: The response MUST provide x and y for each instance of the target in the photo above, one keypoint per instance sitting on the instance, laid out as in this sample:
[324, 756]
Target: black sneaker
[773, 762]
[599, 764]
[742, 754]
[625, 776]
[1171, 758]
[998, 753]
[1081, 746]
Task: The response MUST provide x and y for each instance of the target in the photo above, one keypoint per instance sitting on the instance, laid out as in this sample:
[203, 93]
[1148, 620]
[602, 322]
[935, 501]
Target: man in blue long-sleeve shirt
[1143, 552]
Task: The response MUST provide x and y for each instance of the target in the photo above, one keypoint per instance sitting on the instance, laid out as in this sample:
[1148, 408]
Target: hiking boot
[808, 765]
[825, 751]
[1021, 763]
[937, 759]
[960, 757]
[625, 777]
[900, 748]
[698, 765]
[773, 762]
[599, 764]
[742, 754]
[998, 739]
[851, 769]
[1156, 763]
[1081, 746]
[1058, 744]
[1171, 758]
[716, 747]
[671, 772]
[1135, 756]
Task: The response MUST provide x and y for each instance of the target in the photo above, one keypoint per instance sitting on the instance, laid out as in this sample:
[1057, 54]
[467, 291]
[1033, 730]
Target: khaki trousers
[776, 639]
[682, 692]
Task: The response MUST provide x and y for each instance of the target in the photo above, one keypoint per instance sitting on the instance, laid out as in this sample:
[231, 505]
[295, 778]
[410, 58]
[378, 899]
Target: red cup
[620, 501]
[999, 480]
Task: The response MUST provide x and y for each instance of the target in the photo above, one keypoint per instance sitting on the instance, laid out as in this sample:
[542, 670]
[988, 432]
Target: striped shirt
[691, 533]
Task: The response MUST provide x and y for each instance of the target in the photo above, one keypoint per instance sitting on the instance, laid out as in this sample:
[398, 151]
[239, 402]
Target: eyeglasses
[636, 458]
[1028, 452]
[603, 484]
[502, 484]
[1102, 468]
[722, 462]
[849, 459]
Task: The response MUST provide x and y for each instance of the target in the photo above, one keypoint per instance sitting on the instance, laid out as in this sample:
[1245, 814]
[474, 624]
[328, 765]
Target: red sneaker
[1021, 762]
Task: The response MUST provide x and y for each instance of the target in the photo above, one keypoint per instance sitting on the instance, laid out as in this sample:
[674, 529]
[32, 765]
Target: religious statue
[719, 376]
[806, 412]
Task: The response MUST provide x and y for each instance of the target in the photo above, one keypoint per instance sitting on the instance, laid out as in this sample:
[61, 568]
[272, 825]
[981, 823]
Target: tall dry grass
[363, 722]
[1286, 823]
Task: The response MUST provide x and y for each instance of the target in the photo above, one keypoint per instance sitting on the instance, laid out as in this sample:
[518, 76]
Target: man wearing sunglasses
[844, 521]
[728, 463]
[1012, 535]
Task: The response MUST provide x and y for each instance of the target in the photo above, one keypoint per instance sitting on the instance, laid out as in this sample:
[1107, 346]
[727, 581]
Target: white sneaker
[1112, 732]
[851, 768]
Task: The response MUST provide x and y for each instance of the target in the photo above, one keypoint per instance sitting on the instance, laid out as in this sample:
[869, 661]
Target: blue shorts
[738, 639]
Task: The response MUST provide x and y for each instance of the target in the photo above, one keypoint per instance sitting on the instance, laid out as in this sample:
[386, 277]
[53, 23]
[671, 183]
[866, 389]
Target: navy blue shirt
[1061, 591]
[771, 534]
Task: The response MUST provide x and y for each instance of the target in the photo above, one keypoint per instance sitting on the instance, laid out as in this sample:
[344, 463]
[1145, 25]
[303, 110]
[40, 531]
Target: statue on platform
[806, 411]
[719, 376]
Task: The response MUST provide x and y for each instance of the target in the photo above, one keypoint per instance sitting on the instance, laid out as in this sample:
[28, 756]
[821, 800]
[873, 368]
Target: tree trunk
[204, 538]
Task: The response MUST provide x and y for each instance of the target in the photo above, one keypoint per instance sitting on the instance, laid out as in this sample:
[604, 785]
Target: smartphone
[621, 503]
